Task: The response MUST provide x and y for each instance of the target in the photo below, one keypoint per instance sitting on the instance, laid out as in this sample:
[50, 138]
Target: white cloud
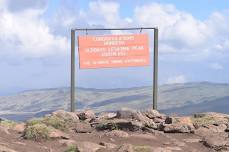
[216, 66]
[181, 33]
[25, 34]
[176, 79]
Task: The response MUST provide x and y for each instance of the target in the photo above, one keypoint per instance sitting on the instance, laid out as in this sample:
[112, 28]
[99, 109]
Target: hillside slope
[174, 97]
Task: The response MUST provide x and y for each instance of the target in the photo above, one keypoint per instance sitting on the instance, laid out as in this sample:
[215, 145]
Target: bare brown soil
[174, 142]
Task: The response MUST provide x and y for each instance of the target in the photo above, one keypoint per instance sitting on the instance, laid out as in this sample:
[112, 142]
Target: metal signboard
[108, 51]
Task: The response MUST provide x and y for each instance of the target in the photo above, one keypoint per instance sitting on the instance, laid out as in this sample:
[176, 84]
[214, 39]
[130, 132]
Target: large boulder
[152, 114]
[216, 141]
[86, 115]
[83, 127]
[107, 115]
[67, 116]
[176, 128]
[126, 114]
[120, 124]
[145, 120]
[177, 125]
[227, 129]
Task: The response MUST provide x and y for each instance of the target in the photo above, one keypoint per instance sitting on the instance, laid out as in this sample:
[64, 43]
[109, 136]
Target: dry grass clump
[37, 132]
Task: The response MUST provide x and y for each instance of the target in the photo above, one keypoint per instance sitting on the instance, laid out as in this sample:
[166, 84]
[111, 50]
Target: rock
[19, 127]
[54, 133]
[127, 114]
[108, 145]
[69, 116]
[88, 147]
[107, 115]
[216, 142]
[181, 120]
[145, 120]
[67, 143]
[83, 127]
[177, 125]
[120, 124]
[177, 128]
[209, 129]
[87, 114]
[117, 133]
[202, 131]
[6, 149]
[158, 120]
[216, 128]
[126, 148]
[227, 129]
[151, 113]
[170, 120]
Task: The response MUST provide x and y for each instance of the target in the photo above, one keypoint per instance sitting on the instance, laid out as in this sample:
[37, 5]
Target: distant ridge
[173, 98]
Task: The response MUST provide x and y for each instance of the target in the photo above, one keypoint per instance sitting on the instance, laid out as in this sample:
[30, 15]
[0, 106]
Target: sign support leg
[155, 71]
[72, 70]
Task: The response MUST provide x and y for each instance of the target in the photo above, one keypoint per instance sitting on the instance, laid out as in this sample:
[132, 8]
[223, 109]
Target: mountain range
[180, 99]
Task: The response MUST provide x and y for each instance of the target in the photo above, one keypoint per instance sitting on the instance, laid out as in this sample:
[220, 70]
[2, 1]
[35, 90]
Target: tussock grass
[37, 132]
[203, 120]
[8, 123]
[52, 121]
[55, 122]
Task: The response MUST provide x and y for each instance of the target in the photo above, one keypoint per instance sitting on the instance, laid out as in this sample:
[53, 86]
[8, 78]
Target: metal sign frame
[155, 56]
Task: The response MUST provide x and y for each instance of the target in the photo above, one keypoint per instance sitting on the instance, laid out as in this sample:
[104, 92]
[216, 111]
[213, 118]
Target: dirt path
[172, 142]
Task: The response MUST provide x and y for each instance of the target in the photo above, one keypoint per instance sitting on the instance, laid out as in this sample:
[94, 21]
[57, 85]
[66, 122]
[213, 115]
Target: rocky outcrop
[86, 115]
[208, 129]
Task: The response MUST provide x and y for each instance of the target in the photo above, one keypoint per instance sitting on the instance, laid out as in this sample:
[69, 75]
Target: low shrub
[37, 132]
[8, 123]
[55, 122]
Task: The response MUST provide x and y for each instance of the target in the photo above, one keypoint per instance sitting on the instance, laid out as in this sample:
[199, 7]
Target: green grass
[72, 148]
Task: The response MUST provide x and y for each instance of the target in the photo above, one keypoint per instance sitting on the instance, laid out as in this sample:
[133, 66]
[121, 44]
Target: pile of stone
[212, 128]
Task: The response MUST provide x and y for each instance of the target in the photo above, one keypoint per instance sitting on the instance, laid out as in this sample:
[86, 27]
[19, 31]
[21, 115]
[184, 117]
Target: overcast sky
[35, 42]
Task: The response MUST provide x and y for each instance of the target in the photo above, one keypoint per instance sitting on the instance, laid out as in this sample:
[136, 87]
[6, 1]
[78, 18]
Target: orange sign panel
[113, 51]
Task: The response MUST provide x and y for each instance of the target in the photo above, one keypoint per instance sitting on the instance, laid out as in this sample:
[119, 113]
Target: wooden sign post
[109, 51]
